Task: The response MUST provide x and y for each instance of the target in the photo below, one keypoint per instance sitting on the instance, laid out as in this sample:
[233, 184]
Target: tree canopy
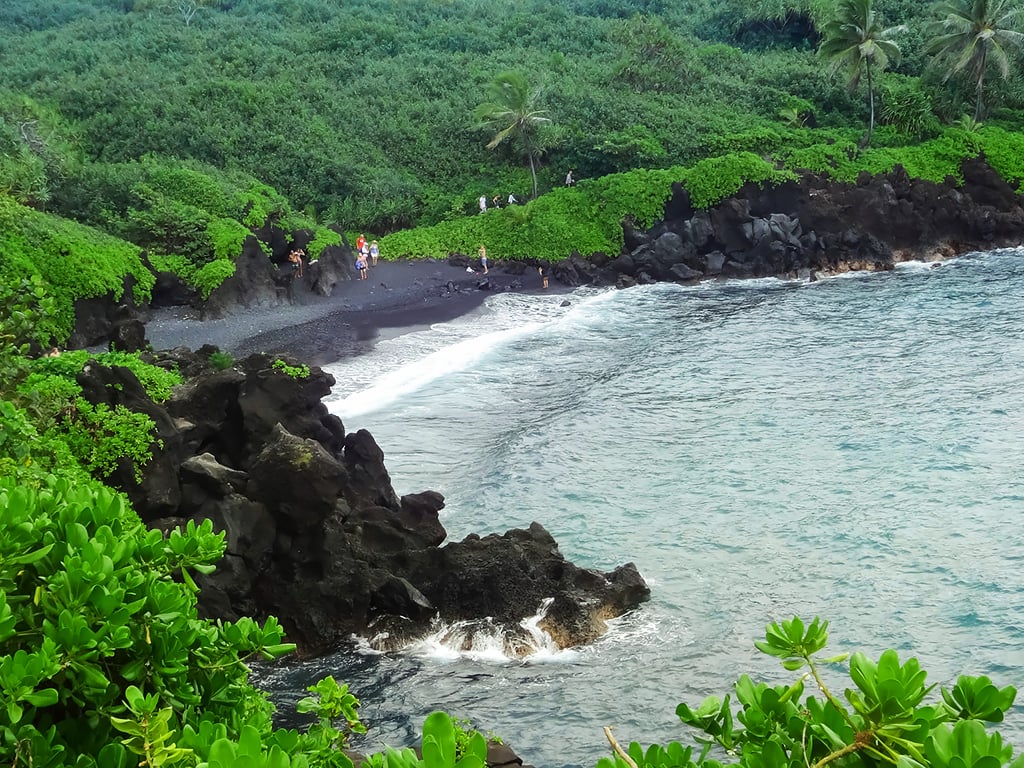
[856, 41]
[512, 111]
[971, 35]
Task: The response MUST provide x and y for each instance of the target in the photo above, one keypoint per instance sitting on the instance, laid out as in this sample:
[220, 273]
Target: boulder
[256, 283]
[508, 577]
[213, 476]
[298, 479]
[335, 264]
[315, 533]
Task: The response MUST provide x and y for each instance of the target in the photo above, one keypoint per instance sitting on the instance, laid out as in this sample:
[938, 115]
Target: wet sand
[398, 297]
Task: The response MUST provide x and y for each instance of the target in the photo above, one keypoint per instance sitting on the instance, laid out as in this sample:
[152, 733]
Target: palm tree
[856, 41]
[512, 111]
[973, 32]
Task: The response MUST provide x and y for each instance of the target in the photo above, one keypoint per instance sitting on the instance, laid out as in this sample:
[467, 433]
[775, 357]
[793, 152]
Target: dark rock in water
[500, 755]
[625, 281]
[315, 533]
[685, 274]
[506, 577]
[565, 303]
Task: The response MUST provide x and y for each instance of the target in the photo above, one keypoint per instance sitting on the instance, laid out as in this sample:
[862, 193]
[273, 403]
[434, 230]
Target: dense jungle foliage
[363, 112]
[180, 126]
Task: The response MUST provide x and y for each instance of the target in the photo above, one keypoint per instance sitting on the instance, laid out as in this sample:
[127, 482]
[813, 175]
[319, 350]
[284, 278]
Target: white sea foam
[400, 366]
[922, 266]
[479, 640]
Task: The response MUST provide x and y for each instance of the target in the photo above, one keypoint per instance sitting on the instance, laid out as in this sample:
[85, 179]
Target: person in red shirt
[360, 243]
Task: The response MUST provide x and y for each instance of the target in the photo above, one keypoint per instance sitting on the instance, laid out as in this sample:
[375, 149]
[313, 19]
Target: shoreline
[399, 297]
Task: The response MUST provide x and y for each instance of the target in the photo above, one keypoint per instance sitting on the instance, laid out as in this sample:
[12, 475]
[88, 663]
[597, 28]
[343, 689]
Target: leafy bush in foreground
[104, 662]
[884, 720]
[92, 603]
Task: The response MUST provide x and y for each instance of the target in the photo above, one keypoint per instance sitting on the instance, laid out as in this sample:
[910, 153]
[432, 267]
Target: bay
[849, 448]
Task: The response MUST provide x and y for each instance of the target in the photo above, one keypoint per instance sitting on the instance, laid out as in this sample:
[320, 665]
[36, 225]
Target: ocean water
[849, 449]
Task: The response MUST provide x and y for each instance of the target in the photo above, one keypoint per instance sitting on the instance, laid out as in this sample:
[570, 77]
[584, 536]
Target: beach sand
[398, 297]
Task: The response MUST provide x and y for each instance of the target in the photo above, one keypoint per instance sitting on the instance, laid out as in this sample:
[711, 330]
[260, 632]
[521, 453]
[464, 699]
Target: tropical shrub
[101, 438]
[92, 604]
[226, 238]
[158, 382]
[1004, 151]
[322, 238]
[26, 321]
[210, 276]
[884, 720]
[293, 371]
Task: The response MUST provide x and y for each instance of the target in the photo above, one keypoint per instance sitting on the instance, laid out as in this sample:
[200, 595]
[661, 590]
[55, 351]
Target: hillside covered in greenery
[363, 112]
[181, 127]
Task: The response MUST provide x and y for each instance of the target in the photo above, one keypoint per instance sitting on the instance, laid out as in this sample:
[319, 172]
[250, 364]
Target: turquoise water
[849, 448]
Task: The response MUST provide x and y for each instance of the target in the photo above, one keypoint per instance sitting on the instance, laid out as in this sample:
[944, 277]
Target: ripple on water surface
[848, 448]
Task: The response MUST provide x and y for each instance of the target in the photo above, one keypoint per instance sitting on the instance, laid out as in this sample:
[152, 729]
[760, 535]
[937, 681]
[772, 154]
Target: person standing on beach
[364, 252]
[295, 257]
[374, 253]
[542, 271]
[360, 242]
[483, 203]
[482, 253]
[361, 266]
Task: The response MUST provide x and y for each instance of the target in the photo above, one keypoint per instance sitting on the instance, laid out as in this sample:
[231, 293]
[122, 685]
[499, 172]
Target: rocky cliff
[814, 225]
[315, 533]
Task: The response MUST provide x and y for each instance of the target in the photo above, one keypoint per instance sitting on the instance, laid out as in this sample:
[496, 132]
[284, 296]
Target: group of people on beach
[367, 254]
[481, 253]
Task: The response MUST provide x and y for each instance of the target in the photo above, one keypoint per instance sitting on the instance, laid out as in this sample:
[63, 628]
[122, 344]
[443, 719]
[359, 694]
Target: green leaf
[45, 697]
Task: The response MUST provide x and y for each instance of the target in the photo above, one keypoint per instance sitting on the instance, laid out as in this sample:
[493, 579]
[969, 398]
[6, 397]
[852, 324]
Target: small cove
[848, 449]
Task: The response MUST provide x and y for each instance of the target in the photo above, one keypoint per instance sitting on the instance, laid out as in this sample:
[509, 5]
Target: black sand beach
[398, 296]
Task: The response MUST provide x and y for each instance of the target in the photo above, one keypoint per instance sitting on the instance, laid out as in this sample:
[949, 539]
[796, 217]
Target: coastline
[399, 297]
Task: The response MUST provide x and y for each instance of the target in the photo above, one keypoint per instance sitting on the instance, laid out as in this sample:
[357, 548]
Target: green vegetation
[367, 116]
[75, 261]
[221, 361]
[294, 371]
[231, 115]
[855, 40]
[885, 719]
[512, 111]
[972, 34]
[363, 113]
